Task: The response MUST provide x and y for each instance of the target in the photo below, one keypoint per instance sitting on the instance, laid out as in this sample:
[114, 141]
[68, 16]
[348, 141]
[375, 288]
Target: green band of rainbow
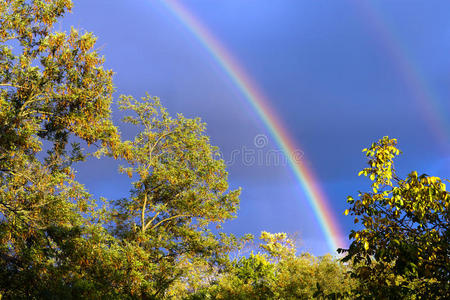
[304, 175]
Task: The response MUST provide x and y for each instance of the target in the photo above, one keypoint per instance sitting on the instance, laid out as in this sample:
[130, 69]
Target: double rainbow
[304, 175]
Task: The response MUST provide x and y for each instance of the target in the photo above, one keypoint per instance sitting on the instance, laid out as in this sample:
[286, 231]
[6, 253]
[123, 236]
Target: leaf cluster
[403, 246]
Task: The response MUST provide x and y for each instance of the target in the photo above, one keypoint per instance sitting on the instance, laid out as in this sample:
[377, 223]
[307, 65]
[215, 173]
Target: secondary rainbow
[304, 175]
[417, 86]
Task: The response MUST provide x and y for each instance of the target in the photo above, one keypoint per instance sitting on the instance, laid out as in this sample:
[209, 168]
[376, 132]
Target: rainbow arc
[260, 104]
[303, 174]
[420, 92]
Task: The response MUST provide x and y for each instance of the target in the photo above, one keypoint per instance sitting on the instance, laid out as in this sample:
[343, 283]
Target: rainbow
[304, 175]
[416, 84]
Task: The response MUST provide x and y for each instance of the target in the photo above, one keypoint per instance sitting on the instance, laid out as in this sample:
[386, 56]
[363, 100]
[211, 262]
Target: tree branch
[157, 141]
[168, 219]
[150, 222]
[143, 212]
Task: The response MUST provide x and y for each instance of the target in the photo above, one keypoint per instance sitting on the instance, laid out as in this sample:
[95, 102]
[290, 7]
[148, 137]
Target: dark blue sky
[339, 74]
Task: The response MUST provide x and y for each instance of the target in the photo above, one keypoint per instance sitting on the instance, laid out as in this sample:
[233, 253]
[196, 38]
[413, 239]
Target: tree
[52, 88]
[402, 249]
[180, 189]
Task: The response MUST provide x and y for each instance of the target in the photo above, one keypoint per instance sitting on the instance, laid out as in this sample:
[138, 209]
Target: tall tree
[180, 189]
[53, 88]
[403, 247]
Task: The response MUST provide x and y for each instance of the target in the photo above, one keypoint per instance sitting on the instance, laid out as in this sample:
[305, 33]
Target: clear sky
[339, 74]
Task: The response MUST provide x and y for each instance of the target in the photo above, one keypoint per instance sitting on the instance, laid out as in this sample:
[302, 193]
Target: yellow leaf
[346, 212]
[366, 245]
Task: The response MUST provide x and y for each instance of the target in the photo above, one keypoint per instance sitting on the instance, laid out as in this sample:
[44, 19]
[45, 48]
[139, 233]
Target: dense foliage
[274, 271]
[403, 248]
[58, 241]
